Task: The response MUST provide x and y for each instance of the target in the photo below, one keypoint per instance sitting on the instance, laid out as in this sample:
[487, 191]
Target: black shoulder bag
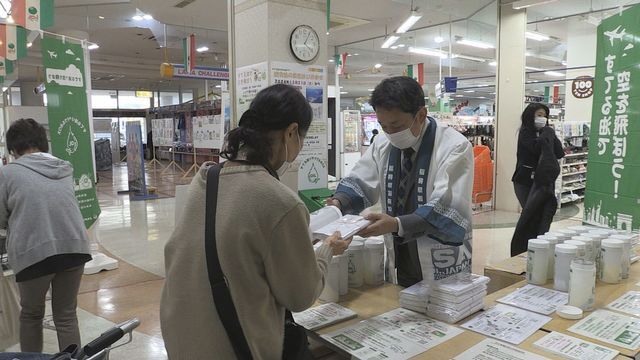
[296, 345]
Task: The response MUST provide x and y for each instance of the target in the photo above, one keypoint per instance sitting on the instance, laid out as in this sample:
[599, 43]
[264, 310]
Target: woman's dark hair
[529, 115]
[26, 134]
[400, 92]
[273, 109]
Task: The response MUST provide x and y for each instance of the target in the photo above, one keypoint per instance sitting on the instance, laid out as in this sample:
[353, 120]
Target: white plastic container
[564, 254]
[604, 232]
[553, 241]
[561, 236]
[590, 244]
[355, 254]
[582, 284]
[611, 261]
[537, 261]
[582, 247]
[343, 262]
[567, 232]
[581, 228]
[331, 291]
[374, 261]
[628, 240]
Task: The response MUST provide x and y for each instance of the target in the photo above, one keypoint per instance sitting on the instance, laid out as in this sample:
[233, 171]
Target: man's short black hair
[401, 92]
[26, 134]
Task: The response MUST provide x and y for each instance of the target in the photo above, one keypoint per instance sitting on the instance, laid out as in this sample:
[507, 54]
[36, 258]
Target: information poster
[537, 299]
[226, 111]
[489, 349]
[396, 335]
[162, 132]
[573, 348]
[610, 327]
[208, 132]
[507, 323]
[311, 80]
[351, 129]
[322, 316]
[67, 107]
[135, 160]
[628, 303]
[249, 81]
[612, 197]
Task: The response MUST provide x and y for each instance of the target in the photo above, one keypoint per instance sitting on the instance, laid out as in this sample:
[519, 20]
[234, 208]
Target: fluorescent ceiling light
[93, 46]
[370, 89]
[356, 54]
[467, 57]
[394, 47]
[439, 39]
[536, 36]
[377, 66]
[493, 63]
[137, 18]
[558, 85]
[459, 96]
[343, 92]
[202, 49]
[401, 45]
[101, 17]
[476, 43]
[218, 86]
[554, 73]
[428, 52]
[147, 17]
[29, 44]
[331, 60]
[523, 4]
[536, 90]
[533, 68]
[10, 20]
[469, 91]
[390, 41]
[407, 24]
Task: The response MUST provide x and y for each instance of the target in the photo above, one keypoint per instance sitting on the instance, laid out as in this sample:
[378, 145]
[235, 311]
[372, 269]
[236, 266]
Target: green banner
[71, 137]
[613, 190]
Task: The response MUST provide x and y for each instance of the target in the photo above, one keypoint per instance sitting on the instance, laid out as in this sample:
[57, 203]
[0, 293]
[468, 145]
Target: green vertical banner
[613, 191]
[71, 137]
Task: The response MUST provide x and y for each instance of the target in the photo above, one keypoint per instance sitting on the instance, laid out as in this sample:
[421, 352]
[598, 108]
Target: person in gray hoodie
[47, 243]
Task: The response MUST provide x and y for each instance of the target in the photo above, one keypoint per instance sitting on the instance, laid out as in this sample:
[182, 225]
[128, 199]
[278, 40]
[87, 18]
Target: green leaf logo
[11, 46]
[33, 10]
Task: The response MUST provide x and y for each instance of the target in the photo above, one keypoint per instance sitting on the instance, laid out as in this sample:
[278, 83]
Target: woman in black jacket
[534, 119]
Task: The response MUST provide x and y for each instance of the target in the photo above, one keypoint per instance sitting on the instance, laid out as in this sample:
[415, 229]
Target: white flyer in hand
[628, 303]
[573, 348]
[323, 316]
[347, 226]
[396, 335]
[610, 327]
[507, 323]
[489, 349]
[536, 299]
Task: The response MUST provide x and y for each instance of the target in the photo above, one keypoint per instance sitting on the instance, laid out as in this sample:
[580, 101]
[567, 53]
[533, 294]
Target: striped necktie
[405, 180]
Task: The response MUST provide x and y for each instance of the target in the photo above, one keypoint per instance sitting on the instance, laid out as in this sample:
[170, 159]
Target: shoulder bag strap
[219, 288]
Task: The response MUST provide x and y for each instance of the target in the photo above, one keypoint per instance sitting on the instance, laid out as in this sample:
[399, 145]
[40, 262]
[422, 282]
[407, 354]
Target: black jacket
[529, 151]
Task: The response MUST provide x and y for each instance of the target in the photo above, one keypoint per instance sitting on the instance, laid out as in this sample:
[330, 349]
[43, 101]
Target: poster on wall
[249, 81]
[135, 160]
[311, 80]
[612, 198]
[162, 132]
[208, 132]
[351, 131]
[67, 108]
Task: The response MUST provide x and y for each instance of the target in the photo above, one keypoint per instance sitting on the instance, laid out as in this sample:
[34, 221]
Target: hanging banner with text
[201, 72]
[311, 80]
[613, 195]
[71, 137]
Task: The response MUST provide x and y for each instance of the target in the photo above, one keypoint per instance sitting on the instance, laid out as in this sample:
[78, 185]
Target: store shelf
[576, 154]
[566, 201]
[575, 173]
[574, 189]
[575, 163]
[564, 183]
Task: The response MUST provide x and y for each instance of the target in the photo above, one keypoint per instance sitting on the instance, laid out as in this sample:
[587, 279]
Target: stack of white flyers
[326, 221]
[457, 297]
[415, 297]
[322, 316]
[536, 299]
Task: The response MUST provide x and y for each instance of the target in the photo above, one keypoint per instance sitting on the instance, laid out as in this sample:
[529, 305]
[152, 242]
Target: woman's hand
[337, 243]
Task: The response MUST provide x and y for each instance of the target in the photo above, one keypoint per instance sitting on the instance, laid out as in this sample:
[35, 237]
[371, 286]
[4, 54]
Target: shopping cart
[97, 349]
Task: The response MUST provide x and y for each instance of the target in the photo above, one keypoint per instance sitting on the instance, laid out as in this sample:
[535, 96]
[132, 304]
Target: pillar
[581, 51]
[261, 33]
[511, 49]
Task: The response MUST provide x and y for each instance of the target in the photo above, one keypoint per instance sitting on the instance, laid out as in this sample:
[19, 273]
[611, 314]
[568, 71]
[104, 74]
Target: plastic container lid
[374, 244]
[595, 236]
[567, 232]
[577, 243]
[550, 238]
[570, 312]
[604, 232]
[580, 228]
[538, 244]
[622, 237]
[566, 249]
[612, 244]
[356, 245]
[581, 264]
[559, 235]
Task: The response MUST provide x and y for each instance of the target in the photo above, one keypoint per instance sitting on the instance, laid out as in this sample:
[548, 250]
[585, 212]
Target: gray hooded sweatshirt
[38, 208]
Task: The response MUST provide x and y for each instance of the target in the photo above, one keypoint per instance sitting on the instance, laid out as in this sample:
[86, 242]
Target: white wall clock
[305, 43]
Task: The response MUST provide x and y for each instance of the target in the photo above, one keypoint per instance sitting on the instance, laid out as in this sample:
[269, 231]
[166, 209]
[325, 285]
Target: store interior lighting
[493, 63]
[428, 52]
[202, 49]
[390, 41]
[533, 35]
[140, 17]
[401, 45]
[93, 46]
[407, 24]
[523, 4]
[554, 73]
[467, 57]
[476, 43]
[439, 39]
[29, 44]
[377, 66]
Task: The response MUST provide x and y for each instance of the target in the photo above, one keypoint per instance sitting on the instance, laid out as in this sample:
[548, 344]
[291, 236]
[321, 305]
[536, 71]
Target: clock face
[305, 43]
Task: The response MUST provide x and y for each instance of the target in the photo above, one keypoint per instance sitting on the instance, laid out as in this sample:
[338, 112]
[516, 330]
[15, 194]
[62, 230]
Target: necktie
[403, 186]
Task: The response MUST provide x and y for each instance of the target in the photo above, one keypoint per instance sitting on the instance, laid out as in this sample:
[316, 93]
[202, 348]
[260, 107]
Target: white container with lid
[560, 235]
[602, 231]
[537, 261]
[581, 228]
[581, 245]
[590, 250]
[564, 254]
[553, 241]
[374, 261]
[331, 291]
[355, 254]
[582, 284]
[611, 261]
[628, 240]
[570, 233]
[344, 273]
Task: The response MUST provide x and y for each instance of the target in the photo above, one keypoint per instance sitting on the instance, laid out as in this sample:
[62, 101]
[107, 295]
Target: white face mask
[286, 164]
[403, 139]
[540, 122]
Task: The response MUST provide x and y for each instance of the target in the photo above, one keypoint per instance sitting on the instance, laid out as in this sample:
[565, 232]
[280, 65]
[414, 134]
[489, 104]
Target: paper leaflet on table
[573, 348]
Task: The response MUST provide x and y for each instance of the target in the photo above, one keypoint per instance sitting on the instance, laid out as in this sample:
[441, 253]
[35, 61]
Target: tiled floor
[136, 232]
